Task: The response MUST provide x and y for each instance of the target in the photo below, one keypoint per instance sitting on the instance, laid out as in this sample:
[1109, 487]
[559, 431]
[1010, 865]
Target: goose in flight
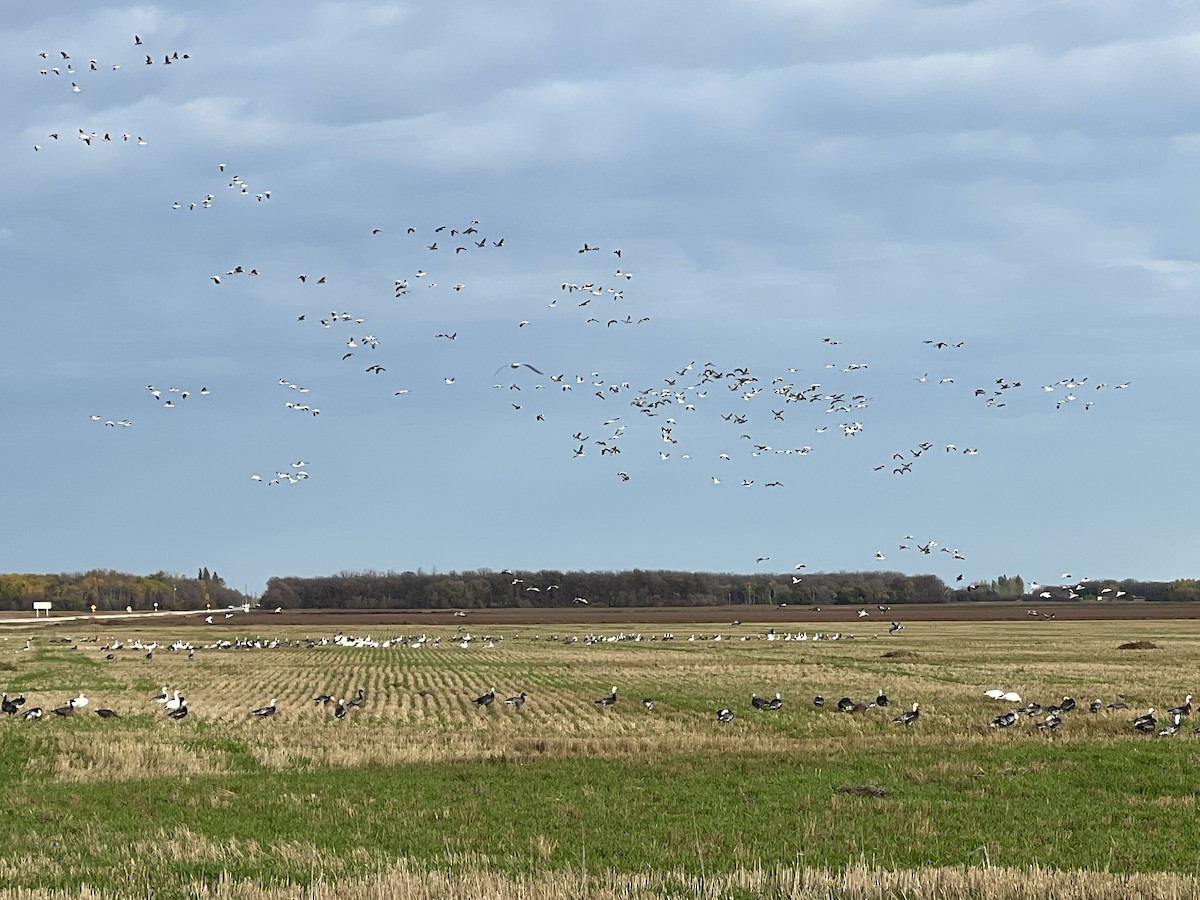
[517, 365]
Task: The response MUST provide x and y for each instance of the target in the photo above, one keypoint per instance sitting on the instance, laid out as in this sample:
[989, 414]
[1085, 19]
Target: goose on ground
[818, 701]
[31, 714]
[175, 703]
[776, 703]
[485, 699]
[725, 716]
[1030, 709]
[1184, 709]
[1146, 722]
[1118, 704]
[107, 714]
[758, 702]
[359, 698]
[907, 718]
[8, 706]
[610, 700]
[1067, 704]
[263, 711]
[1004, 720]
[518, 700]
[881, 699]
[340, 711]
[80, 701]
[163, 697]
[1171, 729]
[180, 712]
[67, 709]
[846, 704]
[1050, 723]
[648, 702]
[1096, 705]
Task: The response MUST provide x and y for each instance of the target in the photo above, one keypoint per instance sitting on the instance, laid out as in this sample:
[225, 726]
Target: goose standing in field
[163, 697]
[1183, 710]
[881, 699]
[818, 701]
[610, 700]
[359, 698]
[1050, 723]
[1067, 704]
[80, 701]
[180, 712]
[31, 714]
[340, 711]
[8, 706]
[1146, 723]
[264, 711]
[485, 699]
[67, 709]
[1096, 705]
[907, 718]
[518, 701]
[725, 716]
[758, 702]
[107, 714]
[175, 703]
[776, 704]
[1171, 729]
[323, 699]
[648, 702]
[846, 705]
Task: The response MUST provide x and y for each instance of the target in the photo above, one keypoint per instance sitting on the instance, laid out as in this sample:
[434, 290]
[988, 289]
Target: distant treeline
[108, 590]
[548, 588]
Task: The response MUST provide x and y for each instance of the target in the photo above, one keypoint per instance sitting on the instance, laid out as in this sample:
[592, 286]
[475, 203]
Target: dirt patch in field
[1138, 645]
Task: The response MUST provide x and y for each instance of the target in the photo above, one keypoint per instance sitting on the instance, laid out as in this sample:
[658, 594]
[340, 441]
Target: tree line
[478, 589]
[638, 587]
[108, 590]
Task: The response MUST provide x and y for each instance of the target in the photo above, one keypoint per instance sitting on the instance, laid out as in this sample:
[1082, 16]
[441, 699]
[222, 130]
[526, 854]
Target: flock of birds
[735, 425]
[1052, 714]
[175, 706]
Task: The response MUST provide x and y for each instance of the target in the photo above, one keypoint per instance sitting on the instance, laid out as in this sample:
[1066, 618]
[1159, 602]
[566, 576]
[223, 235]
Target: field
[419, 792]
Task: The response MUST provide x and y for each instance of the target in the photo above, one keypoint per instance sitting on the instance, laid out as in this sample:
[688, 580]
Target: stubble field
[419, 792]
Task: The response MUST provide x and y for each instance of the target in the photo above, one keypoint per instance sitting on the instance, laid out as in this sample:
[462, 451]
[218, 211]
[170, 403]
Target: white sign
[40, 606]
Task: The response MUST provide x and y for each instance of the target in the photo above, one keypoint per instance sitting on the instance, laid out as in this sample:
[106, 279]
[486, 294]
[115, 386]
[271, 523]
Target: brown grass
[418, 702]
[858, 881]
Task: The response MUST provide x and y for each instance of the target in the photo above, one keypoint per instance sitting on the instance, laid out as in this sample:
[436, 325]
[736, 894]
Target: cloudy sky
[808, 198]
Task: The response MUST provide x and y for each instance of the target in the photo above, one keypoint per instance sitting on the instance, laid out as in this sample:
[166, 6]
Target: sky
[762, 283]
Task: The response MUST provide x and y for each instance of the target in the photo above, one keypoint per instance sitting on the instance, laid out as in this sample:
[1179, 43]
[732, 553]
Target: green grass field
[419, 793]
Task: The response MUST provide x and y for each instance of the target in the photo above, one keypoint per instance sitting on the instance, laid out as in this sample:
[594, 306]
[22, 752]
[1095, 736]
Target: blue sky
[807, 192]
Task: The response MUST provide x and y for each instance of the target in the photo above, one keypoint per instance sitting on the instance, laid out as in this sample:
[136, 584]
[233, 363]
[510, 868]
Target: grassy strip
[1107, 807]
